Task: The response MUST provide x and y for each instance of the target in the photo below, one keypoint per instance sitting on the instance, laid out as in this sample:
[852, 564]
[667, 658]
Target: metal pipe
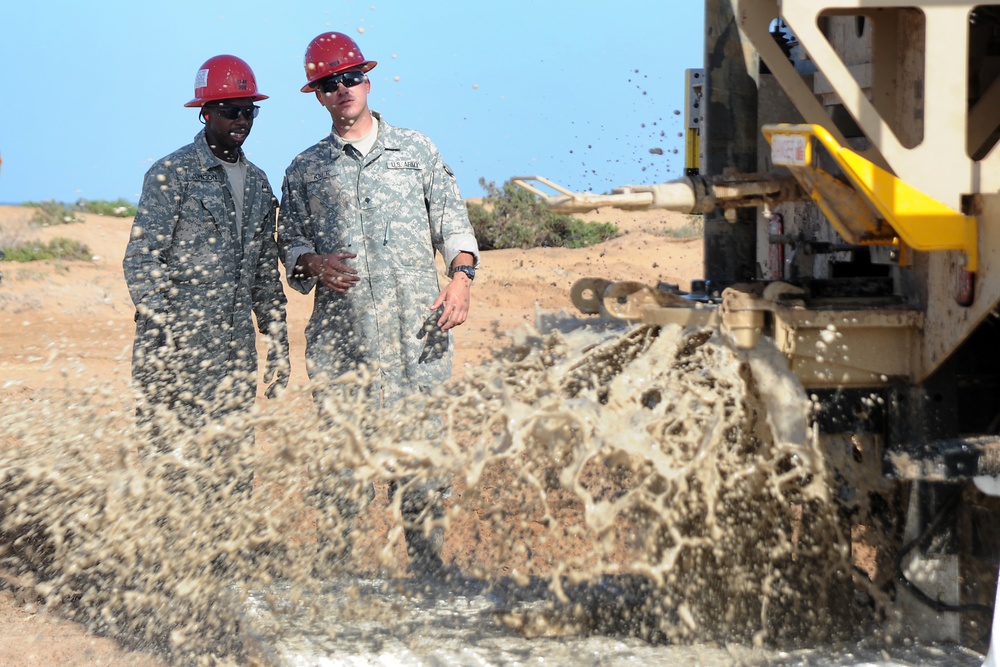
[688, 194]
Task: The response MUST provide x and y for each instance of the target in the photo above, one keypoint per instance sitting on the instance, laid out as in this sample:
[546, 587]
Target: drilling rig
[844, 156]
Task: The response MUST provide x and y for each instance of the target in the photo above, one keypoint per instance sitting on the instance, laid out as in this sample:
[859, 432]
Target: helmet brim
[202, 101]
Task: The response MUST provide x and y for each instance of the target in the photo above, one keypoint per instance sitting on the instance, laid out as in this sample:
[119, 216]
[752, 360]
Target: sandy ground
[67, 323]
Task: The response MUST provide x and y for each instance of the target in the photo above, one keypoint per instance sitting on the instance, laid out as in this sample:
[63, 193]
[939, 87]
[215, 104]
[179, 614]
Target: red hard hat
[330, 53]
[223, 78]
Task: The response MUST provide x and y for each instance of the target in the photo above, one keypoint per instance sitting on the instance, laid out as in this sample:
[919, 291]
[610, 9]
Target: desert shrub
[580, 234]
[57, 248]
[511, 217]
[50, 213]
[695, 227]
[119, 208]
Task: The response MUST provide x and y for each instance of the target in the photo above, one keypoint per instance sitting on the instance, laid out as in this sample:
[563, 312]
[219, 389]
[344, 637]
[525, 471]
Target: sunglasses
[230, 112]
[350, 79]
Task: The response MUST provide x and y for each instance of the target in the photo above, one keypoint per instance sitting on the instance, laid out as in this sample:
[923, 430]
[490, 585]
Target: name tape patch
[206, 177]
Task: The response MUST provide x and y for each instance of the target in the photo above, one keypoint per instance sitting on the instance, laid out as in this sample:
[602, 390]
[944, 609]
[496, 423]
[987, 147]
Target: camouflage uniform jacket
[186, 268]
[394, 208]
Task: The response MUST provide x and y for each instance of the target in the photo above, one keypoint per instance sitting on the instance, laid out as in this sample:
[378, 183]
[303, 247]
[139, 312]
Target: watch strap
[467, 270]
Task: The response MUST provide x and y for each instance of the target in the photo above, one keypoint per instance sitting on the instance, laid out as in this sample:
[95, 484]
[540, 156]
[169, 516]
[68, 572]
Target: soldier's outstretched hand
[456, 299]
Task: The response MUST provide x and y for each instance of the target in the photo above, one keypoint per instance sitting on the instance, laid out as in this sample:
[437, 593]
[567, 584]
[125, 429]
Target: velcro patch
[403, 164]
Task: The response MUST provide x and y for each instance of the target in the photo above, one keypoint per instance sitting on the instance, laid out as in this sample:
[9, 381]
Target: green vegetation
[51, 212]
[580, 234]
[695, 227]
[512, 217]
[57, 248]
[118, 208]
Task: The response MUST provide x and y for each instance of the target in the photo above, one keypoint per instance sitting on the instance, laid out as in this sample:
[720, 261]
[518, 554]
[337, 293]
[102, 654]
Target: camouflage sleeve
[145, 265]
[294, 230]
[451, 228]
[268, 296]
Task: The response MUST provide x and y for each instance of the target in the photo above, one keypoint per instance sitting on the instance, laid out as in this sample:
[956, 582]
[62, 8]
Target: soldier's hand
[331, 269]
[456, 300]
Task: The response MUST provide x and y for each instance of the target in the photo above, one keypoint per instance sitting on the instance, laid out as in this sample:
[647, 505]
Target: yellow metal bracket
[870, 206]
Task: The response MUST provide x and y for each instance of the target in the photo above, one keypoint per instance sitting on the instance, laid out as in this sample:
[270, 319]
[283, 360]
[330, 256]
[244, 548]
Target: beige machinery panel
[929, 116]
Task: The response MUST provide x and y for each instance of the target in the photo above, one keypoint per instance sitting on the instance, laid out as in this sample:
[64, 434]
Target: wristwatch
[467, 270]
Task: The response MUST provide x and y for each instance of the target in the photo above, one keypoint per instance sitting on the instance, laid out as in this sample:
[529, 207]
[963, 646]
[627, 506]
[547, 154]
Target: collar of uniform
[337, 141]
[205, 154]
[386, 136]
[386, 133]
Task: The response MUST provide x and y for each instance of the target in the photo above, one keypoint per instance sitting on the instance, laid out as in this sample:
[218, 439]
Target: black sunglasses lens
[232, 113]
[352, 79]
[348, 79]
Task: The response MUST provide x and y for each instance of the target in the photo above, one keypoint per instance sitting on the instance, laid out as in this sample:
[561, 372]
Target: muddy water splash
[644, 460]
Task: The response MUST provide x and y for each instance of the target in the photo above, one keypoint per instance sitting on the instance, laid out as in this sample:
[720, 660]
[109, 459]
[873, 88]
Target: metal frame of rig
[844, 156]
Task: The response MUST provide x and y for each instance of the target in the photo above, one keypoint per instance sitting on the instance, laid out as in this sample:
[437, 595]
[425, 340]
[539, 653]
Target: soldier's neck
[356, 129]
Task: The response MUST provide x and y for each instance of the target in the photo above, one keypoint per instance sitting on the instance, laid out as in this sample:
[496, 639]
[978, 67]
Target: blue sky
[578, 92]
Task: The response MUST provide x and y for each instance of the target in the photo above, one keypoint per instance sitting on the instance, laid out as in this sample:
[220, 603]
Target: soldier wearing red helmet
[226, 89]
[363, 214]
[332, 53]
[201, 262]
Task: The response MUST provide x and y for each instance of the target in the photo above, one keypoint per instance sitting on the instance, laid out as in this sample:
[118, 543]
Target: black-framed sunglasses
[349, 78]
[232, 112]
